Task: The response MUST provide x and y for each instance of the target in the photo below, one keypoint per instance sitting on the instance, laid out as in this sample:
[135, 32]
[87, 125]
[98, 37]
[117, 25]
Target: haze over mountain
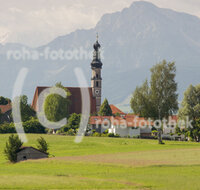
[133, 40]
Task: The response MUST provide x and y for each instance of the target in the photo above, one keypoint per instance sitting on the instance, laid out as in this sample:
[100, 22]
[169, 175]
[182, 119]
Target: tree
[26, 110]
[73, 123]
[105, 109]
[141, 102]
[190, 107]
[56, 107]
[3, 101]
[0, 116]
[42, 145]
[164, 90]
[159, 99]
[12, 147]
[195, 132]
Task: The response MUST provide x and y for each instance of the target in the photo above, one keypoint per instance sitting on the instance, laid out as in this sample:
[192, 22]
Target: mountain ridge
[133, 40]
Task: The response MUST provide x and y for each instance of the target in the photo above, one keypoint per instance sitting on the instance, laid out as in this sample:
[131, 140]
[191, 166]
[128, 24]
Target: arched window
[97, 75]
[97, 84]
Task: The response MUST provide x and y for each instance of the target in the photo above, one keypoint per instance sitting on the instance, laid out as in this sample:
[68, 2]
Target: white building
[125, 126]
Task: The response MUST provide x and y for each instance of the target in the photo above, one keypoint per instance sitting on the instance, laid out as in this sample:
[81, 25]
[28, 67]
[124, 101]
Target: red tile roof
[75, 98]
[116, 110]
[128, 121]
[5, 108]
[99, 119]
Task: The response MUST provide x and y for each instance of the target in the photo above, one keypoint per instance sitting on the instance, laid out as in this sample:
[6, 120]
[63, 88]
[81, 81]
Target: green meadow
[105, 163]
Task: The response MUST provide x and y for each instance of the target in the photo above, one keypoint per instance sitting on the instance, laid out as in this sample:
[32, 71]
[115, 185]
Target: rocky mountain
[132, 41]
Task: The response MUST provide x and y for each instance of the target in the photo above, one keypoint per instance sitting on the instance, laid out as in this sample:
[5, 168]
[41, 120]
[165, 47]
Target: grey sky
[37, 22]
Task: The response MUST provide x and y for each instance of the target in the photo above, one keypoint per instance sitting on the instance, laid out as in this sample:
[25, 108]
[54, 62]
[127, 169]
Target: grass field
[105, 163]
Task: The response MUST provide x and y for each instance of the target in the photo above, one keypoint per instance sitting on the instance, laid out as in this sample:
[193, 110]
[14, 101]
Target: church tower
[96, 80]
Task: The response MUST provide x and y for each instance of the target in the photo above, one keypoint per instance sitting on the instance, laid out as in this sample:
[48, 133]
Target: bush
[58, 132]
[96, 134]
[33, 126]
[71, 132]
[117, 136]
[12, 148]
[104, 135]
[72, 123]
[7, 128]
[113, 135]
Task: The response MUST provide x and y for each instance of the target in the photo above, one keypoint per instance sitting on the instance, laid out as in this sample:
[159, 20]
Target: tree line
[158, 99]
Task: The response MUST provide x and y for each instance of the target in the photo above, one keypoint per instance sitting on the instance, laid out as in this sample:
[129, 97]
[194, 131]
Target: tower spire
[96, 80]
[97, 37]
[96, 53]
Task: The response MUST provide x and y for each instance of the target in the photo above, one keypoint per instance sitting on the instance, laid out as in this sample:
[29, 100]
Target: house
[100, 123]
[124, 125]
[6, 111]
[27, 153]
[95, 90]
[132, 126]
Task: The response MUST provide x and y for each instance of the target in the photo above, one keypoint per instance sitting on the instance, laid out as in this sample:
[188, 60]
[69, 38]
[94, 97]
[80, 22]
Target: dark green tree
[26, 110]
[3, 101]
[195, 132]
[42, 145]
[190, 107]
[56, 107]
[0, 116]
[105, 109]
[12, 148]
[73, 123]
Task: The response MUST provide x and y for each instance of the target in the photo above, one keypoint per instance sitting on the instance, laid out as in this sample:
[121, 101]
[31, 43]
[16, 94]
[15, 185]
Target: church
[95, 91]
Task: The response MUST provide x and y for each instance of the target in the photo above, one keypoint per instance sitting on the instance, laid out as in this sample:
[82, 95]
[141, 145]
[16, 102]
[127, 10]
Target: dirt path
[141, 158]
